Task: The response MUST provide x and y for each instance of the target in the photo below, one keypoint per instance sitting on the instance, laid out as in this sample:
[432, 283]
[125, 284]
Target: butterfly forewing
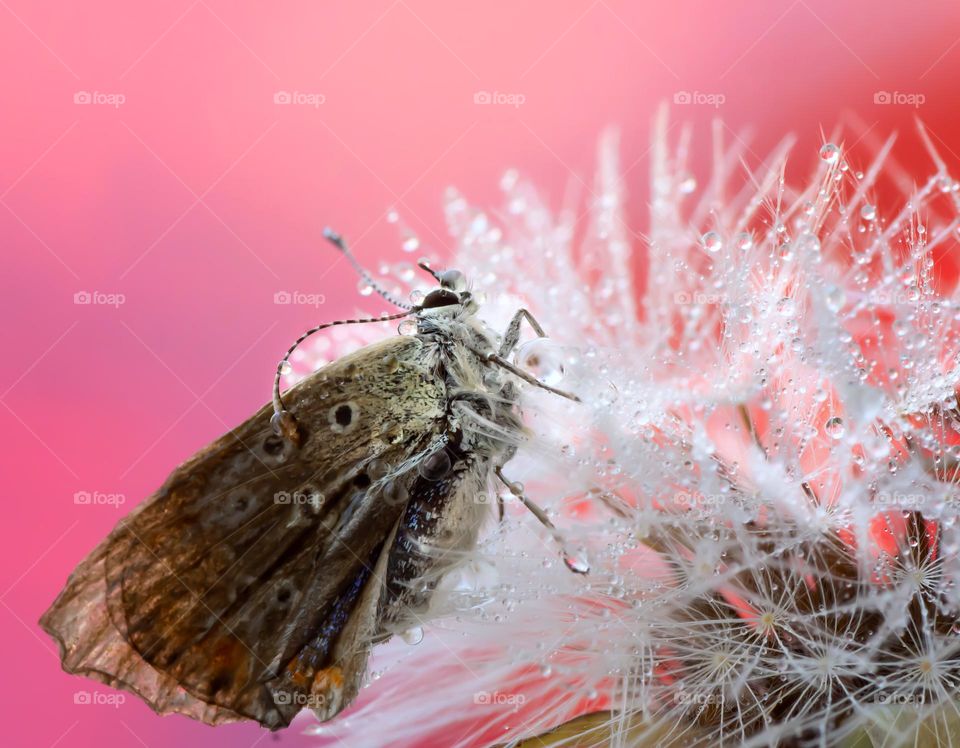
[249, 584]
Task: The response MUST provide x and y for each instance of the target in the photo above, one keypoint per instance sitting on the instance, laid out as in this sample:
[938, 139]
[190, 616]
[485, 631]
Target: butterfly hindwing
[256, 550]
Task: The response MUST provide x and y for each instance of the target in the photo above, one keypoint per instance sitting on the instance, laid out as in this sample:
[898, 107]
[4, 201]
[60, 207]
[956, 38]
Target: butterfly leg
[510, 339]
[570, 559]
[512, 336]
[495, 358]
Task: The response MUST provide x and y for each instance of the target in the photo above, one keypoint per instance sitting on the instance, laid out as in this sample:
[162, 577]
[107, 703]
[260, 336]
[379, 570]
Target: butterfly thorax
[475, 389]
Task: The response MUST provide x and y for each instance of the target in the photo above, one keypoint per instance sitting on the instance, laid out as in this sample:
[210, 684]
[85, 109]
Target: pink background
[198, 198]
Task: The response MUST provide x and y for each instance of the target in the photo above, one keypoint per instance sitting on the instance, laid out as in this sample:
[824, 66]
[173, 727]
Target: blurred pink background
[145, 153]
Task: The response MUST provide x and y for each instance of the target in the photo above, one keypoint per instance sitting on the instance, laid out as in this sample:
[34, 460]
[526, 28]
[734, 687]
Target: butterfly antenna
[337, 241]
[424, 265]
[283, 421]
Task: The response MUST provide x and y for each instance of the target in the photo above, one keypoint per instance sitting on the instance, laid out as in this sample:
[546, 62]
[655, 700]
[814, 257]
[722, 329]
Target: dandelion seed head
[763, 473]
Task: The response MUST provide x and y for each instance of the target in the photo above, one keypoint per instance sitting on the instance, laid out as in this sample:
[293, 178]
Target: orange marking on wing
[230, 653]
[324, 680]
[301, 677]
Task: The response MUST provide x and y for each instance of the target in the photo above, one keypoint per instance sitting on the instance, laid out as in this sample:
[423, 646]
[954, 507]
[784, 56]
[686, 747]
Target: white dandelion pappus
[764, 473]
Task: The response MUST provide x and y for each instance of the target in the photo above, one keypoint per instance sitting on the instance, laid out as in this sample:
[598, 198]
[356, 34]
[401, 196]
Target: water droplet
[577, 561]
[407, 327]
[413, 635]
[836, 298]
[286, 367]
[868, 212]
[411, 244]
[544, 359]
[786, 307]
[830, 153]
[436, 466]
[478, 225]
[454, 280]
[712, 241]
[364, 288]
[835, 428]
[688, 184]
[743, 241]
[416, 296]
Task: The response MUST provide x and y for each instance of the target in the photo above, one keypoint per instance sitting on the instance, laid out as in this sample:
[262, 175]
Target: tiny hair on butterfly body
[254, 582]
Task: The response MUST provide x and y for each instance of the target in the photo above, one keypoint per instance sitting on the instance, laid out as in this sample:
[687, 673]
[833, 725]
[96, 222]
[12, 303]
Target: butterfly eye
[438, 298]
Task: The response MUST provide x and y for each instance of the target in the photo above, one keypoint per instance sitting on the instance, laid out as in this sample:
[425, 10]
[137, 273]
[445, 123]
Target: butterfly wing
[232, 591]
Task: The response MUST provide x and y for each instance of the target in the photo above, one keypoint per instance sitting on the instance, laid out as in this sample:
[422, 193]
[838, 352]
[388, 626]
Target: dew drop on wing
[436, 466]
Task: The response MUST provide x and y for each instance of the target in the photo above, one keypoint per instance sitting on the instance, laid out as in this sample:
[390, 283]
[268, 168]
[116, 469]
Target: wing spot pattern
[343, 417]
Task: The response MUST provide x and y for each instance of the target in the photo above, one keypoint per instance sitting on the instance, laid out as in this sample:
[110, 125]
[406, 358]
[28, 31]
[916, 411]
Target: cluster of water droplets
[762, 476]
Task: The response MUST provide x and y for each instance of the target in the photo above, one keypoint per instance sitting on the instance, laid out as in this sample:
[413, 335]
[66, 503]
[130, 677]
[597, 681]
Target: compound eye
[453, 279]
[438, 298]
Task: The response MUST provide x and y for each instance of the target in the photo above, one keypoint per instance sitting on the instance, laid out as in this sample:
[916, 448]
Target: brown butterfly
[255, 581]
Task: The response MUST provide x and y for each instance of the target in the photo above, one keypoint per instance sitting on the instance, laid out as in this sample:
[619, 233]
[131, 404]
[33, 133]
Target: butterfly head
[452, 295]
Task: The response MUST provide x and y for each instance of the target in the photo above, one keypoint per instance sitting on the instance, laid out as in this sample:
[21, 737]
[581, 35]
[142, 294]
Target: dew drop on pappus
[576, 560]
[830, 153]
[712, 242]
[413, 635]
[835, 428]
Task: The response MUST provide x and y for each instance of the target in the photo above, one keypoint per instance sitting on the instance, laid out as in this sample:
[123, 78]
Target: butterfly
[255, 581]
